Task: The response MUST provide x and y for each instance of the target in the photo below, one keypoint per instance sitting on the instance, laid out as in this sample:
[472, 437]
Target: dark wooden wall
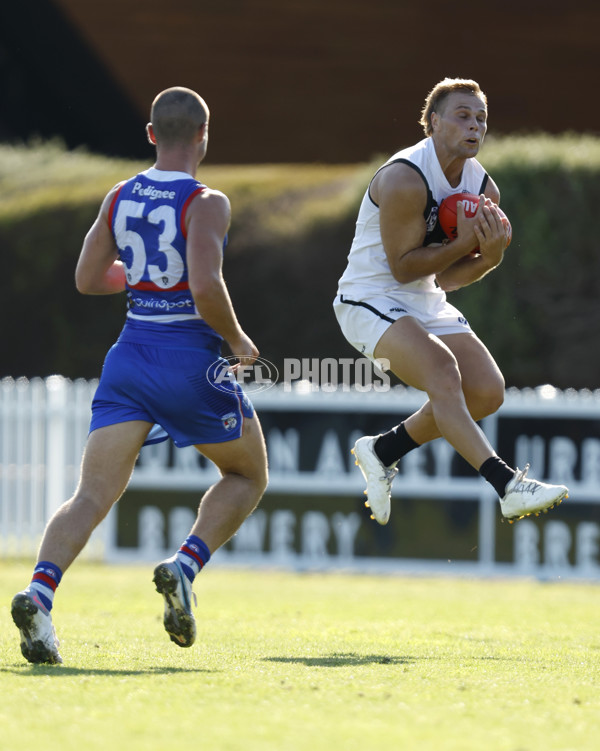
[343, 80]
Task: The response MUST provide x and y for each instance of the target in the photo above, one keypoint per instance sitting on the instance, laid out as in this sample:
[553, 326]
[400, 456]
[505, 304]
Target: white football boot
[524, 497]
[38, 637]
[176, 589]
[377, 476]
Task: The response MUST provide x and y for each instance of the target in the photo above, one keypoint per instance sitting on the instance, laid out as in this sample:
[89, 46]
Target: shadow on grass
[65, 670]
[341, 660]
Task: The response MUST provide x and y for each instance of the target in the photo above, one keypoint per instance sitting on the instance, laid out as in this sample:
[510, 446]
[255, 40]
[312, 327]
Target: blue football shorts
[188, 393]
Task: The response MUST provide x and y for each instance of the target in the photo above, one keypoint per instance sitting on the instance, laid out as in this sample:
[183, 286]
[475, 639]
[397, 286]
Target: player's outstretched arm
[207, 220]
[99, 272]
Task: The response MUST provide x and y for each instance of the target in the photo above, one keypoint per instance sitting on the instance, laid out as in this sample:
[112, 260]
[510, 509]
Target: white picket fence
[43, 428]
[44, 425]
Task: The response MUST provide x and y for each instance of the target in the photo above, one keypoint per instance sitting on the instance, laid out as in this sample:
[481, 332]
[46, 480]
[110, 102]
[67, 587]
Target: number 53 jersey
[147, 219]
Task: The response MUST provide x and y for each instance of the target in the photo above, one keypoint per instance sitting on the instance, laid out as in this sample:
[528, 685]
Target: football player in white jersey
[391, 303]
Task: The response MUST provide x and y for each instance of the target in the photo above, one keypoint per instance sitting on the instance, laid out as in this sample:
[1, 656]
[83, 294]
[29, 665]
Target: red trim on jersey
[185, 208]
[152, 286]
[112, 206]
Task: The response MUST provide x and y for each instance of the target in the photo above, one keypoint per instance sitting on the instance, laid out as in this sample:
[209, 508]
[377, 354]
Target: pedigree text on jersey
[152, 192]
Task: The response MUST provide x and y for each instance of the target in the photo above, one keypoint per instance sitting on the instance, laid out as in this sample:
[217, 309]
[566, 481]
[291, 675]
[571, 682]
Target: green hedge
[540, 310]
[292, 228]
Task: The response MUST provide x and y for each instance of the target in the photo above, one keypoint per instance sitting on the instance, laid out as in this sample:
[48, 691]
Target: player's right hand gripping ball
[470, 202]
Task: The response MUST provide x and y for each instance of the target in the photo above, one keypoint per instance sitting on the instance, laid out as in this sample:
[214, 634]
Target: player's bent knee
[95, 507]
[259, 477]
[445, 381]
[485, 401]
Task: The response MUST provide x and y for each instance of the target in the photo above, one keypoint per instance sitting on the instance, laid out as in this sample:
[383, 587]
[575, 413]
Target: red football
[447, 213]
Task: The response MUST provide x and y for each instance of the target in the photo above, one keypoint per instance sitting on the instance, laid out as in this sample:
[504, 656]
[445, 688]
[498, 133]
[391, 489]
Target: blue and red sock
[46, 578]
[192, 556]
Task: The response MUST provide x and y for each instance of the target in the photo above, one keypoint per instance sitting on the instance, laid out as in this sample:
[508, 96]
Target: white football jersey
[368, 271]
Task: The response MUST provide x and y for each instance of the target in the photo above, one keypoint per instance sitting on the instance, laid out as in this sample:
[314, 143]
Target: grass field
[308, 661]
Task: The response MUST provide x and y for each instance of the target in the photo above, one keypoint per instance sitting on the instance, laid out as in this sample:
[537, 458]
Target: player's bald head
[176, 115]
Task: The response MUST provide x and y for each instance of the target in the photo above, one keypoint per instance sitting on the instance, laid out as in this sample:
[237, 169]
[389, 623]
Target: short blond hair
[176, 115]
[440, 92]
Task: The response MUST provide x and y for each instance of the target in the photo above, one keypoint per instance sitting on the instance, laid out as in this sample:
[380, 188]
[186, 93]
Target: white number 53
[127, 238]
